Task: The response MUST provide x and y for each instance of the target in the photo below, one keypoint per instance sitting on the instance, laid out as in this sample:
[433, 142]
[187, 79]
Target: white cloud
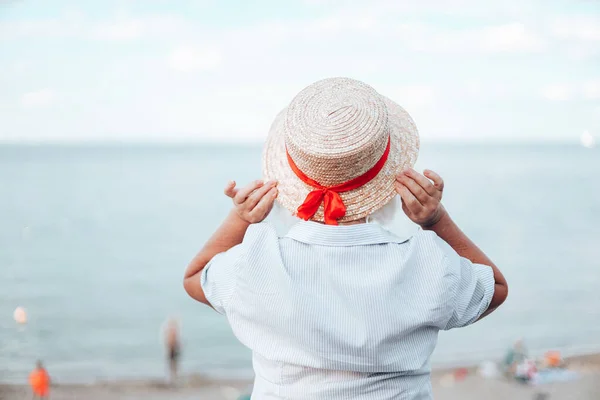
[373, 23]
[584, 28]
[480, 89]
[209, 112]
[463, 8]
[558, 92]
[383, 20]
[588, 90]
[506, 38]
[412, 96]
[49, 27]
[77, 24]
[39, 98]
[370, 27]
[591, 89]
[512, 37]
[579, 35]
[188, 58]
[340, 23]
[582, 51]
[122, 29]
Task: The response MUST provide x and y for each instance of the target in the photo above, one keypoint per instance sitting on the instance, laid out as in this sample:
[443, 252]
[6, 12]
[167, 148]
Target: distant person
[173, 346]
[553, 359]
[39, 380]
[340, 308]
[515, 356]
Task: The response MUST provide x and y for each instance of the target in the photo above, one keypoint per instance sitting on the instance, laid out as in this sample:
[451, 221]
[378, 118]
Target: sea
[94, 240]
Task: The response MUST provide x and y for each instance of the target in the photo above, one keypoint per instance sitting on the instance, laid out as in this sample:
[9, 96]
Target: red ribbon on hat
[333, 205]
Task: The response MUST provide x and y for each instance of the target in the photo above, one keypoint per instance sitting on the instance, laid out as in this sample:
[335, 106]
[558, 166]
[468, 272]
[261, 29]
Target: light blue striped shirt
[344, 312]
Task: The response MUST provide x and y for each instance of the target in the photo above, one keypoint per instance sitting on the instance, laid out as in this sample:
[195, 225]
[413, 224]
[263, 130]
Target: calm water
[94, 241]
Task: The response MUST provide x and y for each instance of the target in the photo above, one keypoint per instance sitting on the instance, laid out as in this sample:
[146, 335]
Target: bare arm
[421, 201]
[252, 204]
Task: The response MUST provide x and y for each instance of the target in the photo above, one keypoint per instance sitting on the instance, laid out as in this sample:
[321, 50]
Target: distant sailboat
[587, 140]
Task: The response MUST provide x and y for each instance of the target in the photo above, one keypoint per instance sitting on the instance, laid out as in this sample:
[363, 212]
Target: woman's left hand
[254, 202]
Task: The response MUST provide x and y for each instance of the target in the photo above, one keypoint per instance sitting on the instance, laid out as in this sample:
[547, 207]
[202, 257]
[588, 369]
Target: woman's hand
[253, 202]
[421, 198]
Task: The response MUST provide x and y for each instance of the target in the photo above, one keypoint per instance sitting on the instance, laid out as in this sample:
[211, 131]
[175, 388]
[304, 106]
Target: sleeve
[474, 288]
[219, 278]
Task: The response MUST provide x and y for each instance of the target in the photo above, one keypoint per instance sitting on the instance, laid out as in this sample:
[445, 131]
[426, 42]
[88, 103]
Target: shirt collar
[341, 235]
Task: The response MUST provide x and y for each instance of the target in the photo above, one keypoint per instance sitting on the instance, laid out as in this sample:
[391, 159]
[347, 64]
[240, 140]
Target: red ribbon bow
[334, 207]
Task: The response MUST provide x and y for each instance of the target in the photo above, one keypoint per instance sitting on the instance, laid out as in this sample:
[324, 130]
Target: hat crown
[336, 129]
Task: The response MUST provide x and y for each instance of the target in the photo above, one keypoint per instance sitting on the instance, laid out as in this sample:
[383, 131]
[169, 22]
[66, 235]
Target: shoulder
[257, 239]
[261, 234]
[260, 258]
[261, 230]
[429, 243]
[260, 243]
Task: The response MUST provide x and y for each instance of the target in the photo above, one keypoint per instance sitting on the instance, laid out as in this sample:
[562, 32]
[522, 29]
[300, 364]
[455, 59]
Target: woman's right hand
[421, 197]
[254, 202]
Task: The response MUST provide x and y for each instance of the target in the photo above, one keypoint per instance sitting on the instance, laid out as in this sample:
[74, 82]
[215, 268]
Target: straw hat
[335, 130]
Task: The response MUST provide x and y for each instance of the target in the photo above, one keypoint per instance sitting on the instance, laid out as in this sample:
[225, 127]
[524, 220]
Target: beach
[475, 387]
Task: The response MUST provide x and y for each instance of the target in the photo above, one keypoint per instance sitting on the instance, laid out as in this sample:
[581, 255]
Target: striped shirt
[344, 312]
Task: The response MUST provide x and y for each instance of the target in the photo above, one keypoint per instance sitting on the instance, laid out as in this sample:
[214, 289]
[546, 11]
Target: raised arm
[251, 204]
[421, 201]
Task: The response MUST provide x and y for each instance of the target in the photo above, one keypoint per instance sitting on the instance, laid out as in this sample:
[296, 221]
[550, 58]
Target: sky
[208, 70]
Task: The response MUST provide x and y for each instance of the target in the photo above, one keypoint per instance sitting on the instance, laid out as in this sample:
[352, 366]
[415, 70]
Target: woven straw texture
[337, 129]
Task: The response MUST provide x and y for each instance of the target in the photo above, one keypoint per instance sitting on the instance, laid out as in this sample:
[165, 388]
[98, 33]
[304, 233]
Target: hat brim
[359, 202]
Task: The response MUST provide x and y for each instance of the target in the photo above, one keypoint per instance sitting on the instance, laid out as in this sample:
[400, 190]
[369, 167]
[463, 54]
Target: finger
[230, 189]
[438, 182]
[243, 193]
[415, 189]
[257, 195]
[408, 199]
[421, 180]
[263, 207]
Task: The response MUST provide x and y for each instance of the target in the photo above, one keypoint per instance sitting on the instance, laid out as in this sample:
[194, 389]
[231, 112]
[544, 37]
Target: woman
[339, 307]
